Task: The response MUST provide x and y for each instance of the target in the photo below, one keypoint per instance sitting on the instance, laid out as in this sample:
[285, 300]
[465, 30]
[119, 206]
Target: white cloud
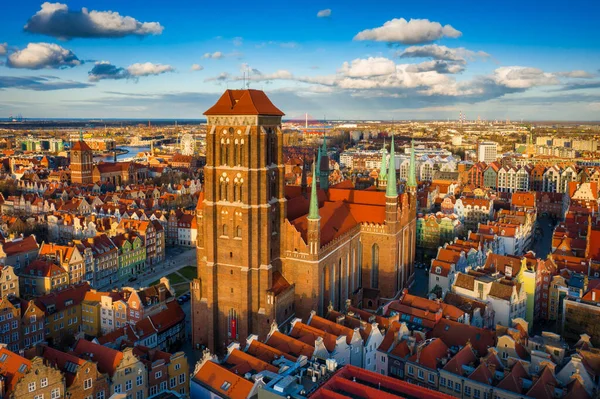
[438, 66]
[197, 67]
[223, 76]
[324, 13]
[414, 31]
[577, 74]
[238, 41]
[104, 70]
[56, 20]
[148, 68]
[217, 55]
[365, 67]
[43, 55]
[437, 52]
[3, 48]
[519, 77]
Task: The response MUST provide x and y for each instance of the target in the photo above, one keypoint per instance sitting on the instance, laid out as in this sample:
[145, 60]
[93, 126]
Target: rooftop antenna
[244, 79]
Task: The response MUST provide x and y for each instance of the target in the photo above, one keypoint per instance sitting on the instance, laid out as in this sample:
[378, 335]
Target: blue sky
[343, 59]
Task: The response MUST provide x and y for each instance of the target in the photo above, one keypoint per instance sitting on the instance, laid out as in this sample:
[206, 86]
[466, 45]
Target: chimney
[593, 295]
[162, 294]
[340, 319]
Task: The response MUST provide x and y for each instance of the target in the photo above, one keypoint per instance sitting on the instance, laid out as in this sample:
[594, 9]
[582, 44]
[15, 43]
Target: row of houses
[90, 370]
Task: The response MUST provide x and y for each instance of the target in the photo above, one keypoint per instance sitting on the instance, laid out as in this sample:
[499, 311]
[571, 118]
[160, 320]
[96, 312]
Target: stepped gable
[244, 102]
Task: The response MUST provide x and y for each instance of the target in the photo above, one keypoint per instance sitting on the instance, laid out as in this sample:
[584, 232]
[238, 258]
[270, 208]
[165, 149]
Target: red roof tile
[244, 102]
[108, 359]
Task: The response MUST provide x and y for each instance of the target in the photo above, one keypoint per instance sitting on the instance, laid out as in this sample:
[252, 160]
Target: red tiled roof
[218, 378]
[458, 334]
[267, 353]
[290, 345]
[513, 382]
[13, 368]
[64, 299]
[431, 354]
[20, 246]
[80, 145]
[244, 102]
[42, 268]
[464, 357]
[357, 383]
[280, 284]
[108, 359]
[241, 363]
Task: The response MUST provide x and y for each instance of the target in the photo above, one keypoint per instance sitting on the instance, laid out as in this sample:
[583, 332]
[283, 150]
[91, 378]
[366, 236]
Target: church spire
[80, 134]
[391, 189]
[313, 210]
[412, 172]
[383, 168]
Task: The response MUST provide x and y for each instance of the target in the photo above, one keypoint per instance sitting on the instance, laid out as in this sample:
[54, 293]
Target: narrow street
[542, 239]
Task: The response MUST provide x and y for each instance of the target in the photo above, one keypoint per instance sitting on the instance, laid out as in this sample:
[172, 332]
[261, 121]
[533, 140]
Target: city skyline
[345, 60]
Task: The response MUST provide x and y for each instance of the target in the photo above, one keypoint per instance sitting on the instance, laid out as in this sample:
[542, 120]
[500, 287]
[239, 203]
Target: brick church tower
[240, 289]
[82, 162]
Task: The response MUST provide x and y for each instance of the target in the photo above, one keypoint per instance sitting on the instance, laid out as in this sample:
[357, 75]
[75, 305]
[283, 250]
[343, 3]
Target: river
[132, 152]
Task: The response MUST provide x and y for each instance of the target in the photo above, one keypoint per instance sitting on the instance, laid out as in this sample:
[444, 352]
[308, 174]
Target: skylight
[226, 385]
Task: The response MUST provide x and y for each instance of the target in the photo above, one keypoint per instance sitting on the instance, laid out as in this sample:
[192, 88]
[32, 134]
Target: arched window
[224, 230]
[232, 327]
[238, 231]
[242, 157]
[375, 266]
[223, 152]
[223, 193]
[272, 186]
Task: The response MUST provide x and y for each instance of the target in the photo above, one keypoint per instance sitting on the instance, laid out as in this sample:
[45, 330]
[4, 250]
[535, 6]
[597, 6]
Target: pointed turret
[392, 189]
[314, 219]
[412, 170]
[381, 180]
[323, 166]
[391, 192]
[80, 134]
[313, 210]
[303, 181]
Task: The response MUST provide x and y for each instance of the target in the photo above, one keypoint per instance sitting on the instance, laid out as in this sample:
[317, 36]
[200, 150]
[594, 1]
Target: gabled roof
[12, 367]
[464, 357]
[241, 363]
[459, 334]
[543, 388]
[513, 382]
[430, 354]
[224, 382]
[20, 246]
[290, 345]
[108, 359]
[244, 102]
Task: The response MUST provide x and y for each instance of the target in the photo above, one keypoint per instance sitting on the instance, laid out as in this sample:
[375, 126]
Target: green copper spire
[80, 135]
[313, 210]
[319, 161]
[412, 172]
[324, 146]
[391, 190]
[383, 169]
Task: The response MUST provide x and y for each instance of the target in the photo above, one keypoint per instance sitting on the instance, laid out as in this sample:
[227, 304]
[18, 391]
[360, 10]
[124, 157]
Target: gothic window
[224, 230]
[232, 320]
[272, 185]
[238, 231]
[223, 187]
[223, 152]
[375, 266]
[242, 157]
